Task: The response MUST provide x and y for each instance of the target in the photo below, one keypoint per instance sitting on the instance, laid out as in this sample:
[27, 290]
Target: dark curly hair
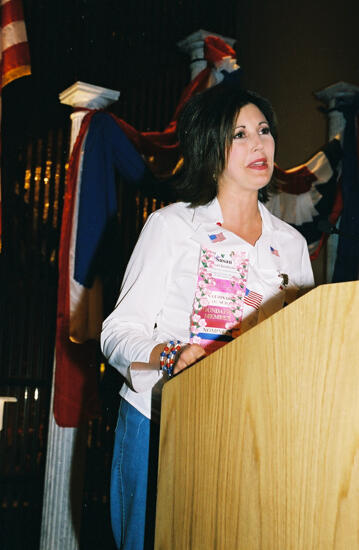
[205, 131]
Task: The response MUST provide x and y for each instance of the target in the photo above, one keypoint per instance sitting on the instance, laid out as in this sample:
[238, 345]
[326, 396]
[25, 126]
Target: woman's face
[250, 160]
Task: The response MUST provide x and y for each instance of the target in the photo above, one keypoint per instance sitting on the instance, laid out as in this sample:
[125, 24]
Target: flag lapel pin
[217, 237]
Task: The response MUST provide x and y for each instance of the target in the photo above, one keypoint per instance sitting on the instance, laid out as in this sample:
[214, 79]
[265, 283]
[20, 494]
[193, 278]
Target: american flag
[253, 299]
[14, 48]
[274, 251]
[217, 238]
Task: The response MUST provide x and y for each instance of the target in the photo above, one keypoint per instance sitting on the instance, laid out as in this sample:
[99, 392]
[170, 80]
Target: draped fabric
[160, 149]
[90, 211]
[347, 261]
[75, 393]
[308, 194]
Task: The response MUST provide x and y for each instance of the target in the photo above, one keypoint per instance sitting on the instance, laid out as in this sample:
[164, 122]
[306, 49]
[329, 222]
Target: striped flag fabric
[253, 299]
[14, 51]
[89, 213]
[15, 55]
[302, 188]
[309, 193]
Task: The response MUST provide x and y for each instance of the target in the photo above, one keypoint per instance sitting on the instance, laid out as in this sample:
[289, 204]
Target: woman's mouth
[259, 164]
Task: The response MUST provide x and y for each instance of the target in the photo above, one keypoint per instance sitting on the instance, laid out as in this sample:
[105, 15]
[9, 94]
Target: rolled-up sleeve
[127, 333]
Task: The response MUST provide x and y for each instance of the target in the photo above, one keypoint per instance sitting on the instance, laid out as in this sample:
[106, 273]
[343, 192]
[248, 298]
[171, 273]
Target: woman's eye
[239, 135]
[265, 130]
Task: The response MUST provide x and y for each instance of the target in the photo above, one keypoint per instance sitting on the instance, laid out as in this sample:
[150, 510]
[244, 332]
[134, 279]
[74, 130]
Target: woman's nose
[256, 143]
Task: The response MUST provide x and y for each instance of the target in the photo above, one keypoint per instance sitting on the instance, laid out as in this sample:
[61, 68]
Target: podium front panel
[259, 444]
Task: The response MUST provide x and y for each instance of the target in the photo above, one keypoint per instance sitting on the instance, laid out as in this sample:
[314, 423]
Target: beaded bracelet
[168, 356]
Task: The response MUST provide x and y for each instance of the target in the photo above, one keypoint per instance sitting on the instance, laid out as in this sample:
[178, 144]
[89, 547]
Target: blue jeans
[134, 479]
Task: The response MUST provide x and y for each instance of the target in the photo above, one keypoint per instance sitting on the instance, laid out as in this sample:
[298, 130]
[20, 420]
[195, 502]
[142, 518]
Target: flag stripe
[11, 11]
[16, 56]
[296, 182]
[14, 33]
[15, 73]
[252, 303]
[320, 166]
[16, 63]
[299, 179]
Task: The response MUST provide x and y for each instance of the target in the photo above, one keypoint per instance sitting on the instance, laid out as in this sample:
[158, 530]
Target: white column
[66, 447]
[193, 44]
[85, 96]
[336, 127]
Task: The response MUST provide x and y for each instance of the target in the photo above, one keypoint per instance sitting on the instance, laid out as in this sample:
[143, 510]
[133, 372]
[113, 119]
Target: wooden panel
[260, 442]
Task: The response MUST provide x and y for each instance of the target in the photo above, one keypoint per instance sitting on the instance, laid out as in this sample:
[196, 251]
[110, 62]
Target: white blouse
[157, 293]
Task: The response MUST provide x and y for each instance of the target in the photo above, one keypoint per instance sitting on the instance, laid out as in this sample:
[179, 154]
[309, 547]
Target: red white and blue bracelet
[168, 356]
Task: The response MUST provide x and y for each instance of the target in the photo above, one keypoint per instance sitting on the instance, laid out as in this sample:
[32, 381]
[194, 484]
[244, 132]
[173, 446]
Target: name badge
[219, 299]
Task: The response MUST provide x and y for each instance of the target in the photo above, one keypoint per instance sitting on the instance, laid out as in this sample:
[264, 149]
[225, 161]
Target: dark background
[287, 51]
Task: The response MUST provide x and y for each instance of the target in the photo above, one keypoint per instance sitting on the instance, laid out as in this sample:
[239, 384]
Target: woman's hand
[187, 356]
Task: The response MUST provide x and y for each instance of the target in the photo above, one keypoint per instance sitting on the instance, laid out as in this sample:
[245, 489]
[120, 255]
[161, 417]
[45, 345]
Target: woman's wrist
[169, 356]
[162, 357]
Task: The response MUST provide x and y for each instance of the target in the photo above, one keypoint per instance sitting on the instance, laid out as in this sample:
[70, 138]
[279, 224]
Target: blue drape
[107, 149]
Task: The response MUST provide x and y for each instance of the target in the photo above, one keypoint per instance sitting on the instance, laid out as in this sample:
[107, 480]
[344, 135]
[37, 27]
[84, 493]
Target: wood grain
[260, 441]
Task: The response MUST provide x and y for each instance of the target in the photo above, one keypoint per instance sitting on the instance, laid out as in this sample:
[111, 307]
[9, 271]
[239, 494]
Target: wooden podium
[259, 442]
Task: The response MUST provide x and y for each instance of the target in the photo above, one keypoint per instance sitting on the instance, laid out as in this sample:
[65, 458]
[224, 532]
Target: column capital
[86, 96]
[89, 96]
[193, 44]
[191, 41]
[339, 89]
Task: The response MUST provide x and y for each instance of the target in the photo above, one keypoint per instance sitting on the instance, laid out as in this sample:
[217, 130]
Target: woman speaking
[204, 270]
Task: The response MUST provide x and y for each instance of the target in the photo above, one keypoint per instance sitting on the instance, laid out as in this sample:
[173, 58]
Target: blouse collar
[212, 213]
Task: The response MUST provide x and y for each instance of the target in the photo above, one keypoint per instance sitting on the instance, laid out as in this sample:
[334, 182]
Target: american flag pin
[217, 237]
[274, 251]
